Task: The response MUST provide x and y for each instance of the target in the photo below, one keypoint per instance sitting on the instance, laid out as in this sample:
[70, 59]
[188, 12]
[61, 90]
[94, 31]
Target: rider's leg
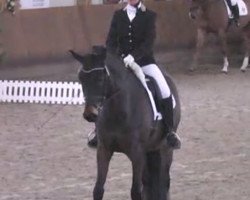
[153, 70]
[229, 3]
[236, 14]
[232, 4]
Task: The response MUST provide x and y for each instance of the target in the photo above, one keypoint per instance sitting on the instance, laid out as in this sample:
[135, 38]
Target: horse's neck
[124, 85]
[119, 75]
[126, 82]
[129, 100]
[111, 89]
[122, 79]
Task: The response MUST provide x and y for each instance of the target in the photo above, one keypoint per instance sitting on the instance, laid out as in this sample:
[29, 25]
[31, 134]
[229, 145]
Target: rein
[108, 77]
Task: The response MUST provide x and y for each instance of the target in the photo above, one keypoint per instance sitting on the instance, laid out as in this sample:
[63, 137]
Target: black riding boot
[173, 140]
[236, 15]
[92, 139]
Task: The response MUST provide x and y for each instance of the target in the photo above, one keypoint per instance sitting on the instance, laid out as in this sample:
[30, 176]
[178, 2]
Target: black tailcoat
[135, 38]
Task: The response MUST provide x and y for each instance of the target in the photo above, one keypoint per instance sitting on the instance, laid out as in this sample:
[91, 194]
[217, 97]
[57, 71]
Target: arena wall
[47, 34]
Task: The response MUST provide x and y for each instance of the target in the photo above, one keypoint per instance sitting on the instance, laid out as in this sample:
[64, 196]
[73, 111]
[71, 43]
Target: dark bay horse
[125, 124]
[211, 16]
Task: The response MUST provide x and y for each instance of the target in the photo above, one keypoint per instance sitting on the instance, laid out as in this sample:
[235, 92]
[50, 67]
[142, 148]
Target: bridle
[100, 98]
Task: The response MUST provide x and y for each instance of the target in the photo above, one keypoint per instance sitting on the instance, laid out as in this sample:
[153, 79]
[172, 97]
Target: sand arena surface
[43, 151]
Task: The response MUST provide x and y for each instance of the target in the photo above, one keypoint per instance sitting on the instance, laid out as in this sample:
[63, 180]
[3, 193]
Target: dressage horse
[211, 16]
[125, 124]
[10, 5]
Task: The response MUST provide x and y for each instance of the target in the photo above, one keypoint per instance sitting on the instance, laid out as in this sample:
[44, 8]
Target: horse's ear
[77, 56]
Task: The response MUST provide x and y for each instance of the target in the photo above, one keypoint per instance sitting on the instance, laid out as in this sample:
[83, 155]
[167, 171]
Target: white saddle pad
[242, 8]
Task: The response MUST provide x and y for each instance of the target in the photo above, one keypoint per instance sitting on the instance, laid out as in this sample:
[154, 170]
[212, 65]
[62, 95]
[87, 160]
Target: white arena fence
[43, 92]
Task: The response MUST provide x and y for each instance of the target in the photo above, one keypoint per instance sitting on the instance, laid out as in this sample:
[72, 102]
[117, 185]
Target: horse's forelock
[91, 61]
[88, 61]
[100, 51]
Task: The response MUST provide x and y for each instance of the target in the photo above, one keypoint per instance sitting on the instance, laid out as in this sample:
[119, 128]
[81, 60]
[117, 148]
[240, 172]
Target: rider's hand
[134, 66]
[128, 60]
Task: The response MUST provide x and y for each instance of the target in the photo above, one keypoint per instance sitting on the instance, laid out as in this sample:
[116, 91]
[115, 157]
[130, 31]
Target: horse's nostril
[90, 113]
[90, 117]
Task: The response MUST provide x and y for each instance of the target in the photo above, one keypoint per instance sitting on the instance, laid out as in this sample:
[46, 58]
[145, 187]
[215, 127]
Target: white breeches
[154, 71]
[141, 76]
[234, 2]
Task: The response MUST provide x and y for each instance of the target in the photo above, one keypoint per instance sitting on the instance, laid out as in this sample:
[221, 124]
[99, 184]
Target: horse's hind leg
[103, 159]
[222, 37]
[199, 44]
[137, 158]
[246, 48]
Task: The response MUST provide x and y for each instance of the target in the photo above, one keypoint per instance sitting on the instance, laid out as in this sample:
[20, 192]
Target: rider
[233, 6]
[131, 35]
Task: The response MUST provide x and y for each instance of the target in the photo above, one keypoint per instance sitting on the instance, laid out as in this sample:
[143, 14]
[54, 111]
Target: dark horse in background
[125, 124]
[211, 16]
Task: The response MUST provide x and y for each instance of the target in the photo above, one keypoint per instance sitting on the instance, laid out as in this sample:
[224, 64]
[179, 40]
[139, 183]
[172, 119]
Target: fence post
[41, 92]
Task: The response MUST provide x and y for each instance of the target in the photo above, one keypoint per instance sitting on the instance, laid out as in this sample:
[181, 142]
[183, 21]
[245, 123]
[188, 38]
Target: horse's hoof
[243, 70]
[191, 69]
[224, 71]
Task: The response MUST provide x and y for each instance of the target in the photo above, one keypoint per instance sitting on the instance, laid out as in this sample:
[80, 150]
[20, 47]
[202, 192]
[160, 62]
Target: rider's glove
[128, 60]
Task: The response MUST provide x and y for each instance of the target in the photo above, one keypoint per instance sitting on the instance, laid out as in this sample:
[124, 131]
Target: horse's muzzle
[90, 113]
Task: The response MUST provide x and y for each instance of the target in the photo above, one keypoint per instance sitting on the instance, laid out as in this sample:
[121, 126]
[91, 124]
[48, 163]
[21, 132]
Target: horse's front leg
[151, 176]
[224, 49]
[137, 158]
[246, 48]
[200, 39]
[166, 161]
[103, 159]
[245, 63]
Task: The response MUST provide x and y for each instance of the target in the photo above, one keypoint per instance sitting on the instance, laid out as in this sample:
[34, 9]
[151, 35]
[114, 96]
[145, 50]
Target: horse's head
[195, 8]
[92, 77]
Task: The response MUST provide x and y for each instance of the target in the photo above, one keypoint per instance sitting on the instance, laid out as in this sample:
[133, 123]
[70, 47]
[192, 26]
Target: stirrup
[92, 139]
